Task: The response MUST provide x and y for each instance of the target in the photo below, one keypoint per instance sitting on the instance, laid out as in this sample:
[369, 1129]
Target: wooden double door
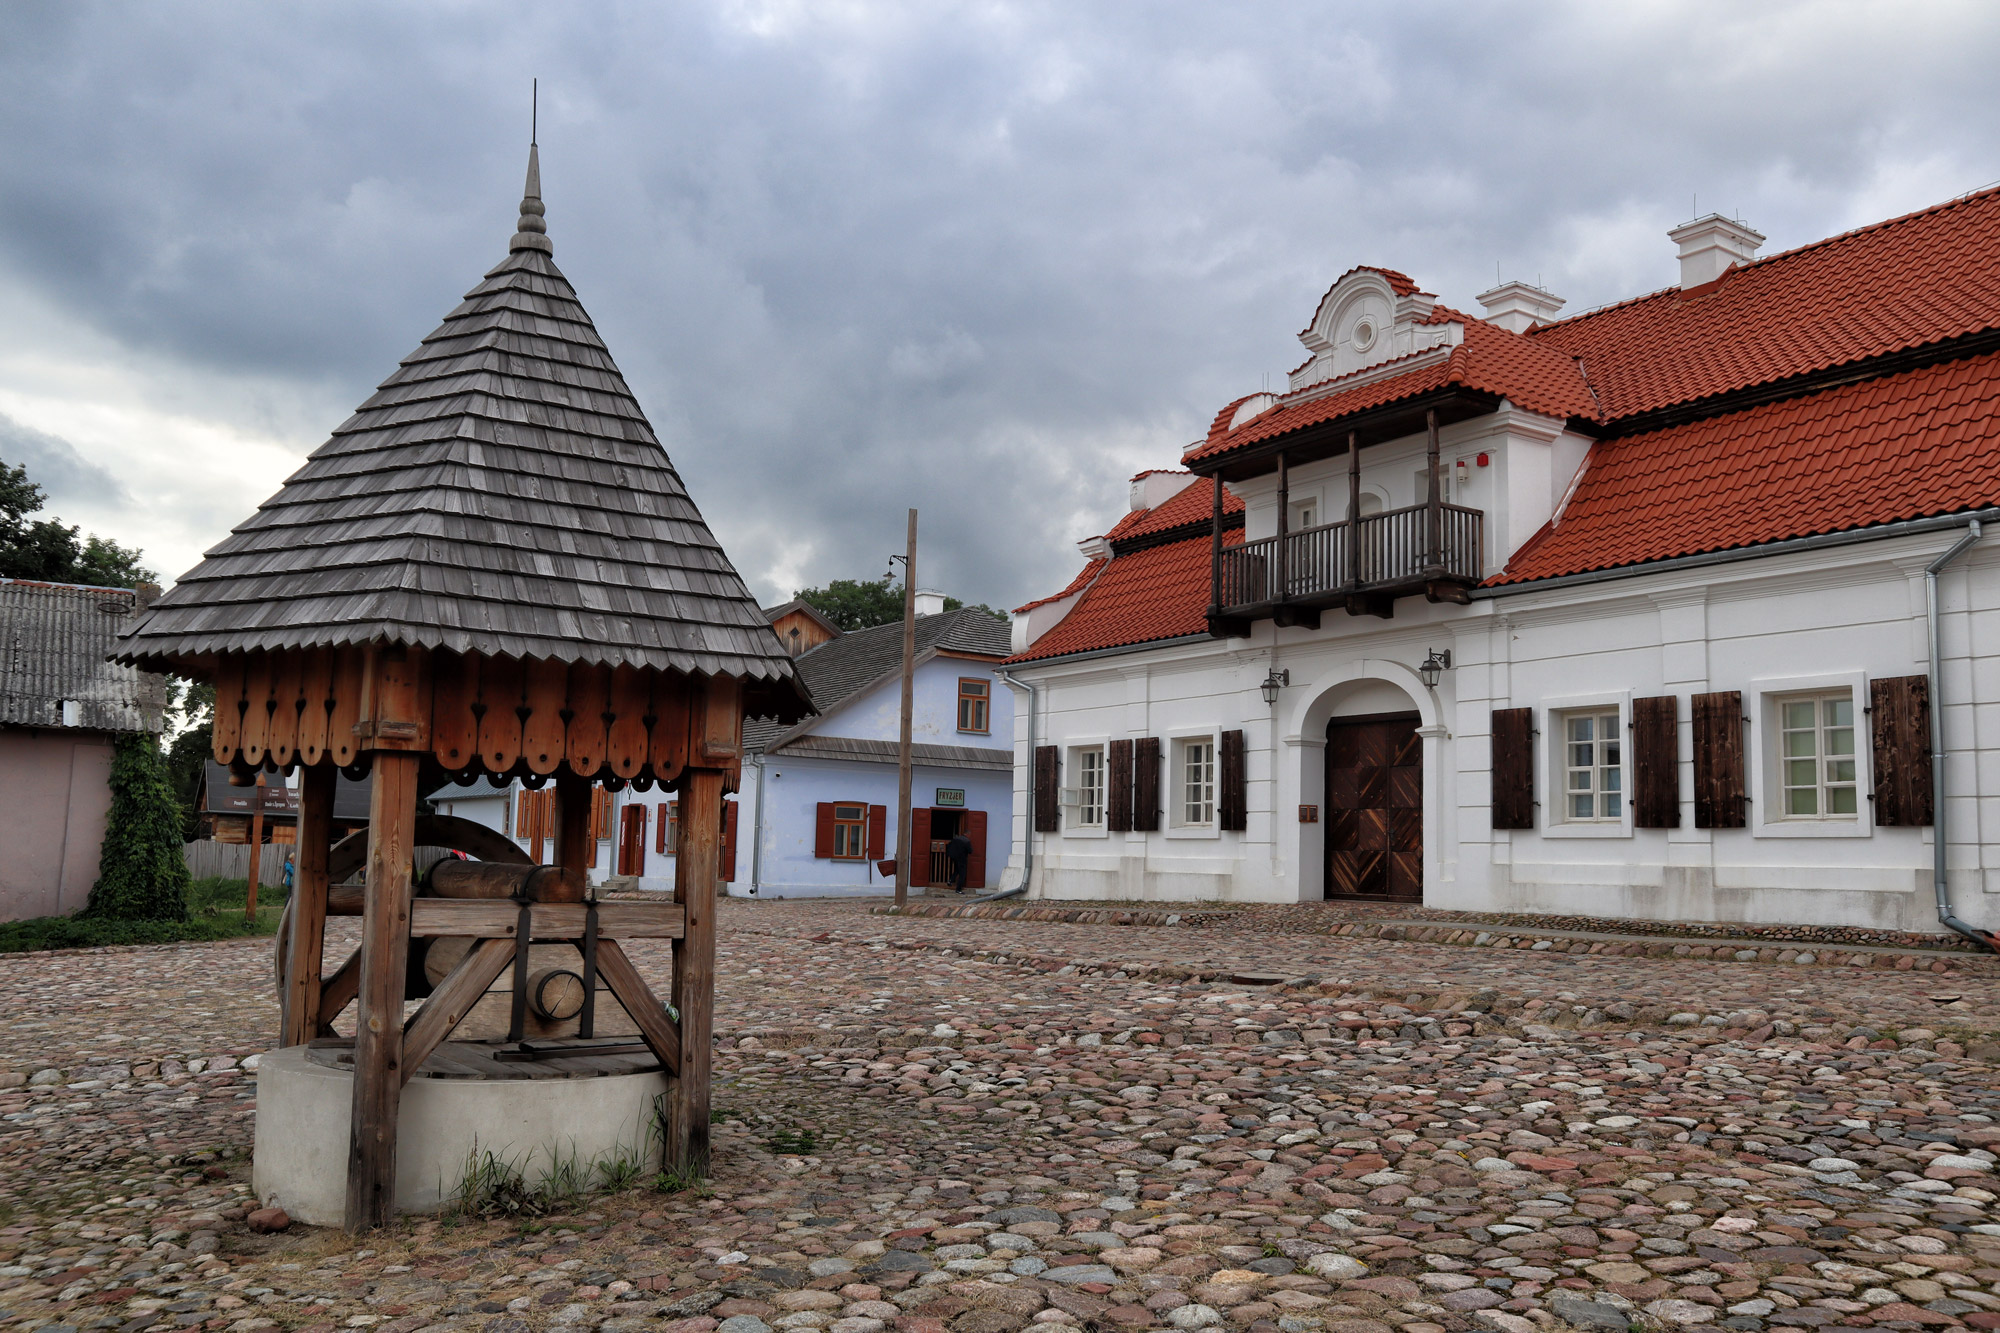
[1375, 808]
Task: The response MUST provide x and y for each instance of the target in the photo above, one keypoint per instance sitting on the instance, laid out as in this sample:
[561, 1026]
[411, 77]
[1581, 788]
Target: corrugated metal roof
[54, 641]
[500, 493]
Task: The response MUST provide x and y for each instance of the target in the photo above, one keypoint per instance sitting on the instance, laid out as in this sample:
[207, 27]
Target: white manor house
[1681, 608]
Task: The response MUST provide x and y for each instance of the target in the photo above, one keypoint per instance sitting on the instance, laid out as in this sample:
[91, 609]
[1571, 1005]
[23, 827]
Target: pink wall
[54, 795]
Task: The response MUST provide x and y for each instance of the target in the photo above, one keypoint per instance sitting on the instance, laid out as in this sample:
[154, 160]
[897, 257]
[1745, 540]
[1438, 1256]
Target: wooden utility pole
[309, 885]
[256, 847]
[903, 848]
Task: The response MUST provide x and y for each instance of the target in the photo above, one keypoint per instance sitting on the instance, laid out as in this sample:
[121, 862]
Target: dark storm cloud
[987, 260]
[54, 464]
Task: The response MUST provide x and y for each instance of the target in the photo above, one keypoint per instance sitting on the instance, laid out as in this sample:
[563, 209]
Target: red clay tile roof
[1903, 446]
[1157, 593]
[1195, 504]
[1083, 576]
[1531, 375]
[1904, 283]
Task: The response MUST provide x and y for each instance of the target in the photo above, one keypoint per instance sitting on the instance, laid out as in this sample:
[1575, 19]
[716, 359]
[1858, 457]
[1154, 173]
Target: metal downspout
[757, 830]
[1939, 844]
[1027, 833]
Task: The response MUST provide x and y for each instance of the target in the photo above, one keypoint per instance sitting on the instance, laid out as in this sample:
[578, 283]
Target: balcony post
[1433, 505]
[1353, 510]
[1215, 555]
[1282, 566]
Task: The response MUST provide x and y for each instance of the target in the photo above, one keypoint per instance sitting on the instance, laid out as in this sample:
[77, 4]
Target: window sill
[1087, 831]
[1812, 828]
[1207, 831]
[1618, 829]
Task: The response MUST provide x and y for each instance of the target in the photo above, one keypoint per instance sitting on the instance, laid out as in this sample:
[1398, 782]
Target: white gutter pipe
[1939, 804]
[1028, 833]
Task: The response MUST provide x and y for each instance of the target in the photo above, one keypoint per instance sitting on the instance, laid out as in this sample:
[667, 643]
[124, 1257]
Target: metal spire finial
[531, 233]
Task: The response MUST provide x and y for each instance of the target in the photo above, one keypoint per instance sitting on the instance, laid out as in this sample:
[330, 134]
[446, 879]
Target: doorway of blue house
[1375, 808]
[932, 829]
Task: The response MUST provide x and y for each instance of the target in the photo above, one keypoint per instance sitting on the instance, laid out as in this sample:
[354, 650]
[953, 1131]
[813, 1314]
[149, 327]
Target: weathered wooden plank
[227, 732]
[451, 1000]
[350, 677]
[637, 997]
[585, 736]
[1513, 768]
[500, 683]
[257, 708]
[385, 939]
[338, 991]
[1899, 716]
[316, 692]
[1232, 803]
[1048, 810]
[1656, 767]
[287, 695]
[1719, 791]
[667, 745]
[490, 879]
[1118, 789]
[697, 867]
[575, 838]
[1146, 784]
[545, 696]
[431, 917]
[308, 906]
[630, 701]
[399, 700]
[454, 724]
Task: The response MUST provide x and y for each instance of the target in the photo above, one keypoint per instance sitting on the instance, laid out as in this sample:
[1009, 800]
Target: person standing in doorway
[959, 852]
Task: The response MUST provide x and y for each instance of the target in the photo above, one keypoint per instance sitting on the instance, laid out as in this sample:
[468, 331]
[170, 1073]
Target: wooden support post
[1353, 510]
[1215, 554]
[309, 893]
[256, 848]
[1433, 511]
[1282, 586]
[574, 834]
[452, 1000]
[695, 872]
[905, 847]
[378, 1032]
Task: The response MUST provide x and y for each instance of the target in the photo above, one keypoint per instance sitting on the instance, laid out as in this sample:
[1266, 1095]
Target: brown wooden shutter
[823, 830]
[1146, 784]
[1513, 768]
[1233, 806]
[1118, 805]
[1047, 812]
[1899, 717]
[975, 832]
[1656, 762]
[1719, 794]
[729, 842]
[878, 826]
[920, 847]
[663, 819]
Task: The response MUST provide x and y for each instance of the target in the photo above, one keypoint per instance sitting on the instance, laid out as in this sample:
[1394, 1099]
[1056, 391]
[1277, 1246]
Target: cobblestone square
[972, 1125]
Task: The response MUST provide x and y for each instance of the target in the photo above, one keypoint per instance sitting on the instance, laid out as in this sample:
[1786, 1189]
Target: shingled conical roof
[501, 493]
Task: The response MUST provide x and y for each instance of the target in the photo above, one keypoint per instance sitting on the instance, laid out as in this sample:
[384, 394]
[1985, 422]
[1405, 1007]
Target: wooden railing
[1389, 550]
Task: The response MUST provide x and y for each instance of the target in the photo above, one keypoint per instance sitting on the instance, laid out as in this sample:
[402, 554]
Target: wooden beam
[1215, 552]
[432, 918]
[639, 1001]
[1433, 511]
[1353, 533]
[385, 948]
[1281, 584]
[450, 1002]
[574, 835]
[695, 872]
[256, 850]
[904, 848]
[338, 991]
[308, 908]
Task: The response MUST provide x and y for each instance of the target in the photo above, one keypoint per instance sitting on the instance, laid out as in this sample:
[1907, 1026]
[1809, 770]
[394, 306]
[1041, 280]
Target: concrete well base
[304, 1113]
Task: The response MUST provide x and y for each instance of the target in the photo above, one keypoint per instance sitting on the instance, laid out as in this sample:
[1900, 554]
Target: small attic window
[1363, 336]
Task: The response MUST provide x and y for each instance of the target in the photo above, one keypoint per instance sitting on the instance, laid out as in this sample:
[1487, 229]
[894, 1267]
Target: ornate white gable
[1362, 322]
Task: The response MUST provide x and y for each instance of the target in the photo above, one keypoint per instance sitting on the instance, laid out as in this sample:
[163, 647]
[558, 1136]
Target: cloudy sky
[986, 259]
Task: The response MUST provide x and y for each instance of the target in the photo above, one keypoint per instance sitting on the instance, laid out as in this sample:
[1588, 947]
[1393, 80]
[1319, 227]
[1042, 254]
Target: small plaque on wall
[951, 796]
[1309, 814]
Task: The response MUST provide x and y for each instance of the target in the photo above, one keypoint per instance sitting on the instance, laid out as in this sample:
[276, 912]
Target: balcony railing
[1388, 553]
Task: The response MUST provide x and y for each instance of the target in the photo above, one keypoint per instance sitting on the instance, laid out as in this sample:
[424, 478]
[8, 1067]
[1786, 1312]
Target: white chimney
[1518, 306]
[1153, 488]
[1711, 246]
[930, 602]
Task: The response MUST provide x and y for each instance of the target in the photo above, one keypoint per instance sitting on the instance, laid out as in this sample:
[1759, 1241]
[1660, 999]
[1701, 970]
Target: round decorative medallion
[1363, 336]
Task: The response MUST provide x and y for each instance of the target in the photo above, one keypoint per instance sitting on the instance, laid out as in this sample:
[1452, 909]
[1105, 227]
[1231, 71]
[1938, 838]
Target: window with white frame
[1816, 756]
[1087, 762]
[1194, 782]
[1593, 767]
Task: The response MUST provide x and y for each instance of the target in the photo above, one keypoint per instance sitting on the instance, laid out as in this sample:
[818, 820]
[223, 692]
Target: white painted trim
[1760, 699]
[1555, 822]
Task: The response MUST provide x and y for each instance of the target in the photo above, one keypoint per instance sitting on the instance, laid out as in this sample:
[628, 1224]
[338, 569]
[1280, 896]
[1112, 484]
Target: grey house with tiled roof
[61, 707]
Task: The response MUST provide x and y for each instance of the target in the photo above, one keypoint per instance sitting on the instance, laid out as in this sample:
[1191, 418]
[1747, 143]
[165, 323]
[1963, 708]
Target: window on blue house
[972, 705]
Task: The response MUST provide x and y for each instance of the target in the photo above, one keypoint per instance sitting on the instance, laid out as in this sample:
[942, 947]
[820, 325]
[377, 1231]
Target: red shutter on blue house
[823, 830]
[729, 842]
[975, 830]
[878, 823]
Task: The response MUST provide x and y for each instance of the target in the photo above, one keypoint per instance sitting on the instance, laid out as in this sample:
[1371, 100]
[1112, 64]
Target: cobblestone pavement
[967, 1126]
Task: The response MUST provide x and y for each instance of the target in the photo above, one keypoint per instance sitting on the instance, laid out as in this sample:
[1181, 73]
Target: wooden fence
[207, 858]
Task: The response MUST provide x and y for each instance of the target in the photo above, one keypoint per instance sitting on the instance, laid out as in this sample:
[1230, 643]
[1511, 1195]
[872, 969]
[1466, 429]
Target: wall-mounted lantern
[1434, 667]
[1274, 681]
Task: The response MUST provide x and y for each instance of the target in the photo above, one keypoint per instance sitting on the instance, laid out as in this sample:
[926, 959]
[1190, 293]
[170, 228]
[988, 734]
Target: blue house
[817, 807]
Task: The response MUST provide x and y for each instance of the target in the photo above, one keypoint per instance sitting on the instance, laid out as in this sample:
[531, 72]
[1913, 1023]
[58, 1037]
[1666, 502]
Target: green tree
[141, 874]
[188, 752]
[855, 604]
[54, 552]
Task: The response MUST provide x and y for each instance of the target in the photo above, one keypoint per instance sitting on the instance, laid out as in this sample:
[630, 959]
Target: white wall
[1837, 617]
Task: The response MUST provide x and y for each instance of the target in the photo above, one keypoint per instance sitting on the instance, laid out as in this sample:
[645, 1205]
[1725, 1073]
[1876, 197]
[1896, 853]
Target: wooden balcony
[1364, 567]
